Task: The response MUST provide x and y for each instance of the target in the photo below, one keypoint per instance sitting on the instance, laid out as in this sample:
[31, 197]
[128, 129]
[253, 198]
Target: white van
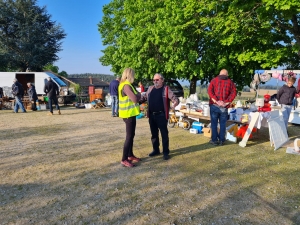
[38, 79]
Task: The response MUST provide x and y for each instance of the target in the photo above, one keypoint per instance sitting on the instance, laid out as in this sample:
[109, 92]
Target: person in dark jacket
[1, 92]
[18, 92]
[159, 96]
[52, 91]
[32, 95]
[113, 90]
[285, 96]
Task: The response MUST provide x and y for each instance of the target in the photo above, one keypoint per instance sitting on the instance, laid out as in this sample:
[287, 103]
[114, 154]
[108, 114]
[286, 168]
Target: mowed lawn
[66, 170]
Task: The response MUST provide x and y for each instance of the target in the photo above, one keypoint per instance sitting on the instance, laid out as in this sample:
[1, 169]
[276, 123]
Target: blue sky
[82, 46]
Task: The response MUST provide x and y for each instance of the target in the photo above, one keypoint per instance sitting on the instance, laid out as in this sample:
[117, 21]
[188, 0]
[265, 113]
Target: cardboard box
[206, 132]
[99, 91]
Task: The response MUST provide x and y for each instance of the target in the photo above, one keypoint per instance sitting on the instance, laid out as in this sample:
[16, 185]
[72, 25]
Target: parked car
[174, 85]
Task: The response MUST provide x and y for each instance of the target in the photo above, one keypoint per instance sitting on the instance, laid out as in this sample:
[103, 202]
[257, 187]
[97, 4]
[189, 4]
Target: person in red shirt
[141, 86]
[222, 92]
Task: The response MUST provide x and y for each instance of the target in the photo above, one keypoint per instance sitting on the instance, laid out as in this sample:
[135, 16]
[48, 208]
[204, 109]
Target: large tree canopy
[28, 36]
[193, 39]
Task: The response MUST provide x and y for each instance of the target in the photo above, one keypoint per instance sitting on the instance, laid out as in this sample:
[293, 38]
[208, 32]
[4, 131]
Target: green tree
[194, 39]
[28, 36]
[55, 69]
[63, 73]
[51, 67]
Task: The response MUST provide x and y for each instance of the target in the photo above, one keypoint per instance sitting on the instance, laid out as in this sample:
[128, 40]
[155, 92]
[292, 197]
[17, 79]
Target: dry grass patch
[66, 170]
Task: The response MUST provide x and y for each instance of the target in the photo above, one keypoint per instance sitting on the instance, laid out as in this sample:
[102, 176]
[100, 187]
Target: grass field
[66, 170]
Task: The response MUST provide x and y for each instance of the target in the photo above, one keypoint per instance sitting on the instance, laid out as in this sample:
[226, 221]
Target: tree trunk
[193, 83]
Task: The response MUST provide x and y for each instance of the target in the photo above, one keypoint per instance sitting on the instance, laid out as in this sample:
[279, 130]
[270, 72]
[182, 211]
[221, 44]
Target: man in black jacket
[52, 91]
[18, 92]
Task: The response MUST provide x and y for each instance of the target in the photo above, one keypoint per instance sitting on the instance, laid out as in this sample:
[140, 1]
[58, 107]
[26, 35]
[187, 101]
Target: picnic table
[197, 116]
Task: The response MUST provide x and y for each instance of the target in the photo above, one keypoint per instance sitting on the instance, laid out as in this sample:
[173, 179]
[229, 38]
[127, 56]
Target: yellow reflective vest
[127, 108]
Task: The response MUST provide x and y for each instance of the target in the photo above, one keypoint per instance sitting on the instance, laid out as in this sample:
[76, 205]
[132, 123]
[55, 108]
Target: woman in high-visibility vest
[128, 110]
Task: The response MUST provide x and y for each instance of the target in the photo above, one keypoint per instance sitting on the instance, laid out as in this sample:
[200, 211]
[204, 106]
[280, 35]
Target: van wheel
[61, 100]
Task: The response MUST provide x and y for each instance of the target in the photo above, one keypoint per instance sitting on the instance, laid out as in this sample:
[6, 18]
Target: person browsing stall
[51, 89]
[113, 90]
[18, 92]
[32, 96]
[128, 110]
[159, 96]
[285, 96]
[222, 92]
[141, 86]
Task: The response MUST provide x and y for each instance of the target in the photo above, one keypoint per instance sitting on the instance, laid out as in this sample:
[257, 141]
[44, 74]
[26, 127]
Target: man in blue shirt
[113, 90]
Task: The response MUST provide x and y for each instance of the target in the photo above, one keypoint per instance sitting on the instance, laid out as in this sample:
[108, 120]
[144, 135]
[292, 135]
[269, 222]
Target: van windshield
[59, 81]
[56, 79]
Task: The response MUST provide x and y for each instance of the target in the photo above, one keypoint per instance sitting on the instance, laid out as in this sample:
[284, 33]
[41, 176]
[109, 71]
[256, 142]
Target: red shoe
[134, 159]
[126, 163]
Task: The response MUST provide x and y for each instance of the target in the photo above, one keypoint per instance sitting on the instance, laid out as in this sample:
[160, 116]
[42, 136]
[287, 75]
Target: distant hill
[104, 77]
[271, 83]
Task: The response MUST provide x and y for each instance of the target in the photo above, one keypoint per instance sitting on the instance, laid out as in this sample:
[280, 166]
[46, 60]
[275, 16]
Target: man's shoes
[154, 153]
[134, 159]
[59, 113]
[126, 163]
[50, 114]
[15, 112]
[166, 157]
[222, 143]
[213, 143]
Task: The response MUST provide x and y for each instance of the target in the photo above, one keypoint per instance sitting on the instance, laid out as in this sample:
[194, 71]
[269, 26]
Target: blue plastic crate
[198, 126]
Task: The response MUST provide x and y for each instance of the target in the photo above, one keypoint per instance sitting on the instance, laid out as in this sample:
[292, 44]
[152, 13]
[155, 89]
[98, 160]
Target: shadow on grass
[79, 179]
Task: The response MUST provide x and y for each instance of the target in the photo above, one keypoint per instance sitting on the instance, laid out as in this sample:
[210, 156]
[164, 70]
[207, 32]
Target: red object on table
[241, 132]
[267, 98]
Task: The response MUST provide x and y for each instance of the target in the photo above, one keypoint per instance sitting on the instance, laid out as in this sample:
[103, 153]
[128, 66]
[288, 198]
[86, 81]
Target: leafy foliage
[51, 67]
[28, 36]
[194, 39]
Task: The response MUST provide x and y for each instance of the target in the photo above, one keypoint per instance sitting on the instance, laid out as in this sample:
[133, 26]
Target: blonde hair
[128, 74]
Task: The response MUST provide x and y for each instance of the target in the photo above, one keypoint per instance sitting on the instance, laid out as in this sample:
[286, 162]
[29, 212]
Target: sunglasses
[155, 80]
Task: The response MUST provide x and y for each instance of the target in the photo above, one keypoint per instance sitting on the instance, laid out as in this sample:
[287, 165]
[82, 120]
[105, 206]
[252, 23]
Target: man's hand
[222, 104]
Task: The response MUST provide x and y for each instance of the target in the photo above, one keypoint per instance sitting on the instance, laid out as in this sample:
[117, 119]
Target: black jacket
[17, 89]
[51, 89]
[32, 93]
[286, 94]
